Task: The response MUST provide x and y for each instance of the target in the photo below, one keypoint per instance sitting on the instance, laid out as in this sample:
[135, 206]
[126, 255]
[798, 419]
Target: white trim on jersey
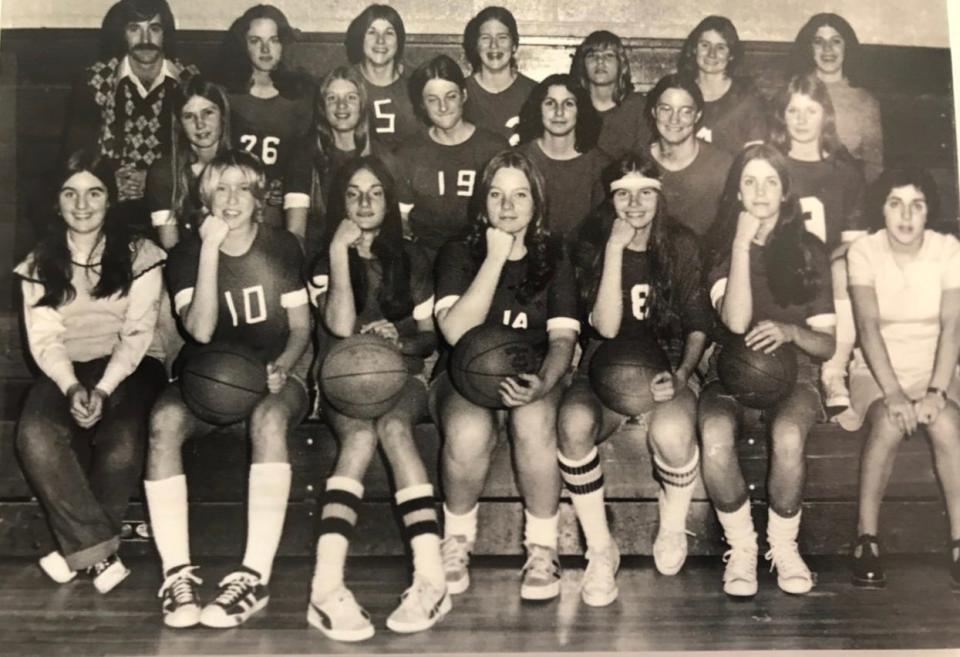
[560, 323]
[162, 218]
[423, 310]
[182, 299]
[824, 320]
[296, 200]
[717, 292]
[445, 303]
[318, 285]
[295, 299]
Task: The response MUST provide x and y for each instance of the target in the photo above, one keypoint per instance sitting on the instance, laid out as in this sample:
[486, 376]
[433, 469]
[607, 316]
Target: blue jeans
[83, 478]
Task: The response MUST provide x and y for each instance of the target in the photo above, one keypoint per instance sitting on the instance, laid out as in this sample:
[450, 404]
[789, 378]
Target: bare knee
[577, 430]
[168, 425]
[717, 435]
[787, 443]
[268, 431]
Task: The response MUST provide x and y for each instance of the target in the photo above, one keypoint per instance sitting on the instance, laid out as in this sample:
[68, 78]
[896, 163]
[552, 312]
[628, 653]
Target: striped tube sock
[584, 479]
[677, 491]
[338, 517]
[420, 526]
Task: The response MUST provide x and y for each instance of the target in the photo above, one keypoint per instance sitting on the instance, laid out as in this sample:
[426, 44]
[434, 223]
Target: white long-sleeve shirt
[86, 328]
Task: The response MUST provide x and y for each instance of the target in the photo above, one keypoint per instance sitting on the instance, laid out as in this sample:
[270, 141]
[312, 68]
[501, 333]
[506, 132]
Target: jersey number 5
[254, 306]
[379, 111]
[268, 147]
[465, 180]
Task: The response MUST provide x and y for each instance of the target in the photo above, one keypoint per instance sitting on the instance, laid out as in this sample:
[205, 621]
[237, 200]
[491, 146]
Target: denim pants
[83, 478]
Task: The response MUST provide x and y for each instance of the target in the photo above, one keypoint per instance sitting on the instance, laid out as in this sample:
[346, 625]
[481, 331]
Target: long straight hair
[661, 248]
[395, 298]
[182, 155]
[811, 86]
[603, 40]
[791, 272]
[52, 261]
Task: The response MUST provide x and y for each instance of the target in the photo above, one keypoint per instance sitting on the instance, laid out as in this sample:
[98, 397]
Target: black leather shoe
[954, 566]
[867, 568]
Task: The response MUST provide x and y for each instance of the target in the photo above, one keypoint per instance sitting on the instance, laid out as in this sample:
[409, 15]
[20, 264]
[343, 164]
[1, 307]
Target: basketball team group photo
[458, 327]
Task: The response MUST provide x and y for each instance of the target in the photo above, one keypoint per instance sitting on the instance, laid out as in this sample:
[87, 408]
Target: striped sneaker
[541, 573]
[181, 605]
[421, 606]
[339, 616]
[241, 595]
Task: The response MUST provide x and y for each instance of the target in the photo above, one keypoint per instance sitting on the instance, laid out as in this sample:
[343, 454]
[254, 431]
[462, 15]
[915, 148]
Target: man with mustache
[120, 106]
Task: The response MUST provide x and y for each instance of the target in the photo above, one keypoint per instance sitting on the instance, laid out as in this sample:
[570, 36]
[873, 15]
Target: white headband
[634, 180]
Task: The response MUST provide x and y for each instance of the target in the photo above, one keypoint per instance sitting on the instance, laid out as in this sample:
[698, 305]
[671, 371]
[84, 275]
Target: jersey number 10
[254, 305]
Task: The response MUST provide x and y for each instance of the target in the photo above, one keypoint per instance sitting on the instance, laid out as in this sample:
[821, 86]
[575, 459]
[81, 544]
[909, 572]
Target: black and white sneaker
[107, 574]
[241, 596]
[181, 605]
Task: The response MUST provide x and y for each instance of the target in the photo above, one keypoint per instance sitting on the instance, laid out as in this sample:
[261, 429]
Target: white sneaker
[793, 576]
[541, 573]
[421, 607]
[455, 552]
[108, 573]
[740, 575]
[339, 616]
[599, 585]
[670, 551]
[836, 395]
[181, 605]
[56, 568]
[241, 595]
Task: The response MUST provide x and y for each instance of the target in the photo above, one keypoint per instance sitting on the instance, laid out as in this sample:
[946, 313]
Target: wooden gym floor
[686, 612]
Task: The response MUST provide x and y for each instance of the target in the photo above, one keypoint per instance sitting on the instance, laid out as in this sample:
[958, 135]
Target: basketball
[621, 371]
[756, 379]
[488, 354]
[363, 375]
[221, 383]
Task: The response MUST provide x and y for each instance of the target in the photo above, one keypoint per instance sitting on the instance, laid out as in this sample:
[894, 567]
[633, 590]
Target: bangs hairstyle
[811, 86]
[597, 41]
[182, 156]
[791, 271]
[471, 34]
[440, 67]
[672, 81]
[542, 251]
[587, 129]
[353, 39]
[52, 260]
[901, 177]
[113, 42]
[662, 248]
[394, 297]
[235, 67]
[801, 56]
[687, 61]
[248, 163]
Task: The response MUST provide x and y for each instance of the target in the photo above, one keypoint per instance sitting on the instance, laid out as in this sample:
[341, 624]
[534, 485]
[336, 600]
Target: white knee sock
[266, 509]
[167, 503]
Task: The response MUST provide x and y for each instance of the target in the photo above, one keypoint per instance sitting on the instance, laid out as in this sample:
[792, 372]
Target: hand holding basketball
[621, 234]
[214, 230]
[663, 387]
[522, 389]
[276, 377]
[768, 335]
[499, 243]
[383, 328]
[346, 235]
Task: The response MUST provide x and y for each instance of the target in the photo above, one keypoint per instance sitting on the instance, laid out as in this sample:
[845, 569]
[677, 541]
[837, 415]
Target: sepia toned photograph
[437, 327]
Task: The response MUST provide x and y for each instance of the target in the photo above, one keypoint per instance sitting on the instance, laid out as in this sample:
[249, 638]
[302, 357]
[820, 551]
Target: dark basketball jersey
[270, 128]
[736, 118]
[690, 301]
[573, 186]
[625, 127]
[159, 195]
[392, 119]
[815, 313]
[831, 197]
[693, 193]
[438, 181]
[554, 307]
[421, 290]
[498, 112]
[254, 290]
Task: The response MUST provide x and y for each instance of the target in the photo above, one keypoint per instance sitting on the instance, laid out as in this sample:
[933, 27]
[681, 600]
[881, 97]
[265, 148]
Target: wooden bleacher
[37, 67]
